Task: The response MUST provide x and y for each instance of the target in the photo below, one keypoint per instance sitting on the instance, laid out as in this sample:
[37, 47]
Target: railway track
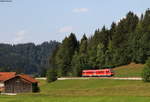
[86, 78]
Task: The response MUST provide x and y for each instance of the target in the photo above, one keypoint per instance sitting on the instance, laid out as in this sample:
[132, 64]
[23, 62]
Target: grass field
[74, 99]
[92, 90]
[131, 70]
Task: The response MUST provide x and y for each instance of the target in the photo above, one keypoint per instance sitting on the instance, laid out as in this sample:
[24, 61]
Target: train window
[99, 72]
[88, 72]
[102, 71]
[107, 71]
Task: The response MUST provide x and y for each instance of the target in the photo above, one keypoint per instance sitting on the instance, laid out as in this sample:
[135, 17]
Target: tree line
[125, 41]
[26, 58]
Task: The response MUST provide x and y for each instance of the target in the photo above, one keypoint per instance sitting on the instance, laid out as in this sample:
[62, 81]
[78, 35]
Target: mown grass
[92, 90]
[75, 99]
[96, 87]
[131, 70]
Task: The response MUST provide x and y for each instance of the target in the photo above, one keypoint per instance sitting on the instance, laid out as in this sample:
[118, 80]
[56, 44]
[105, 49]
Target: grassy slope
[96, 90]
[93, 90]
[97, 87]
[131, 70]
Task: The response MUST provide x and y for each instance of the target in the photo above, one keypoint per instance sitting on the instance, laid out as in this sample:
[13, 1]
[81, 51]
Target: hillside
[26, 58]
[98, 90]
[130, 70]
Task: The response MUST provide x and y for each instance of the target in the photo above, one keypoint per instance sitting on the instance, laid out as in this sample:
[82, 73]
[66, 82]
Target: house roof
[6, 75]
[28, 78]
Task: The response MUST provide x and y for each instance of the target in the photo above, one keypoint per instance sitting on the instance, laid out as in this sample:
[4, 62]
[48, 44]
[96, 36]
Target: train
[98, 73]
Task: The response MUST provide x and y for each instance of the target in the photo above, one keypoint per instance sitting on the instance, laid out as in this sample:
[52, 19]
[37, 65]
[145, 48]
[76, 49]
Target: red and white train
[97, 73]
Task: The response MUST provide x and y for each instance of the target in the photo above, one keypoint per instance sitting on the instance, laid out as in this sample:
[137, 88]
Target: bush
[35, 87]
[146, 71]
[51, 75]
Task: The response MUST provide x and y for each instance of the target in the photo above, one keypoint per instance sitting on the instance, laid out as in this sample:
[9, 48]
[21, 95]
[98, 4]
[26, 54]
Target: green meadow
[130, 70]
[92, 90]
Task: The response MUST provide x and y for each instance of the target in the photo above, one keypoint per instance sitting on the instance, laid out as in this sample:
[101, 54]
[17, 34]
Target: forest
[124, 42]
[26, 58]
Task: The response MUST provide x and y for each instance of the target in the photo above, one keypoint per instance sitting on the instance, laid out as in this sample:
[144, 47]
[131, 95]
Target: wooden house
[10, 82]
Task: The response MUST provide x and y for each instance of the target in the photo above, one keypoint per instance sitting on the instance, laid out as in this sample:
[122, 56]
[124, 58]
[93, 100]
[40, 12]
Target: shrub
[146, 71]
[51, 75]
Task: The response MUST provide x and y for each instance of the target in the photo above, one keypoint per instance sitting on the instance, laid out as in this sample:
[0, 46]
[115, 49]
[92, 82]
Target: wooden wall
[17, 85]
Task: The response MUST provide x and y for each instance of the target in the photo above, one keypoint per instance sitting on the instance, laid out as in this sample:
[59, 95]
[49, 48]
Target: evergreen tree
[100, 58]
[65, 54]
[80, 59]
[109, 55]
[76, 65]
[99, 37]
[140, 45]
[121, 39]
[112, 31]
